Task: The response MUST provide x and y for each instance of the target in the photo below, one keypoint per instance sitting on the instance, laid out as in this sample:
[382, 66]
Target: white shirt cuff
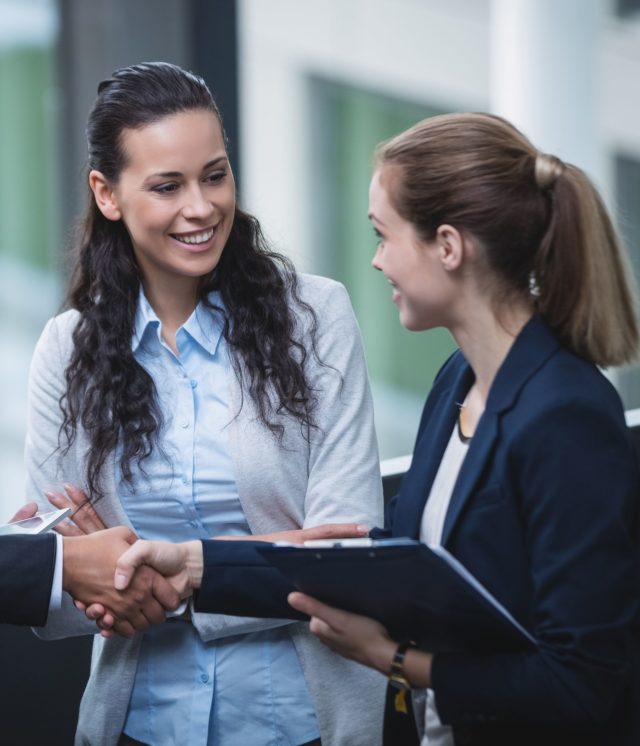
[55, 602]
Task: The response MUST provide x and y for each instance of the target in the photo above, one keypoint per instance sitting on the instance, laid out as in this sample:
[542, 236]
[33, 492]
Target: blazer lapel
[477, 456]
[428, 453]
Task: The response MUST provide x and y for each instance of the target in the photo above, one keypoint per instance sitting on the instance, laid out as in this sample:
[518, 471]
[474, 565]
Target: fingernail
[50, 495]
[68, 487]
[362, 529]
[120, 582]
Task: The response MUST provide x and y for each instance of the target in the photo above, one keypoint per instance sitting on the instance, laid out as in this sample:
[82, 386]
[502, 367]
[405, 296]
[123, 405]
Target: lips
[395, 296]
[195, 238]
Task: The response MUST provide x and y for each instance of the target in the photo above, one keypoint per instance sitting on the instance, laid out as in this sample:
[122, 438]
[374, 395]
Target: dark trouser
[126, 740]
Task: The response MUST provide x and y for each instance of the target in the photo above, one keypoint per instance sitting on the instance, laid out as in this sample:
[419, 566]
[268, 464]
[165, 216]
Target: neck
[485, 337]
[173, 302]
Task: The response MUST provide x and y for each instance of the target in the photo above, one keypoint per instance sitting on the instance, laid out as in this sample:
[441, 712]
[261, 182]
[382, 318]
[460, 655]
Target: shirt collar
[204, 326]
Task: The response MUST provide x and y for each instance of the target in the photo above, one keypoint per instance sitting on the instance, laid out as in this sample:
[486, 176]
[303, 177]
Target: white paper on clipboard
[37, 524]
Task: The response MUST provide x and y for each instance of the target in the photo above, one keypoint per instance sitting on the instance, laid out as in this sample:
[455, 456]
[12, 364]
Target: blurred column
[544, 75]
[544, 78]
[96, 38]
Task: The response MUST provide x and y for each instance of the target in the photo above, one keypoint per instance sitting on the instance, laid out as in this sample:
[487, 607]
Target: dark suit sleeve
[237, 580]
[574, 479]
[27, 565]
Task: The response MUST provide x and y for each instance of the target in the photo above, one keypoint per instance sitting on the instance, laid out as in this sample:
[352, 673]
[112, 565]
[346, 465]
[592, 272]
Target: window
[627, 189]
[346, 125]
[29, 207]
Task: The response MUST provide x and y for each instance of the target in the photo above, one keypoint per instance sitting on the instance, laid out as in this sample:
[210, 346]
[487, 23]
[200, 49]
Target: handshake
[125, 584]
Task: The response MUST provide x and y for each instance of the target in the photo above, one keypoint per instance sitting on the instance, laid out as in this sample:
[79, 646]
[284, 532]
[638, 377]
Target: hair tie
[547, 169]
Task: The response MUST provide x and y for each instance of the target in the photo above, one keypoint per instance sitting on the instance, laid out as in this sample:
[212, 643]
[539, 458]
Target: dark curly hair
[112, 397]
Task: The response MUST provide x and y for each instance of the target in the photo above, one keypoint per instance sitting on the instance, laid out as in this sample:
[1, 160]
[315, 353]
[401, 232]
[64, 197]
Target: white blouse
[435, 511]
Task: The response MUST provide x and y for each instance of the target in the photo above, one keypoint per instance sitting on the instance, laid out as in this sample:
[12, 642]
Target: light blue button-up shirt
[244, 690]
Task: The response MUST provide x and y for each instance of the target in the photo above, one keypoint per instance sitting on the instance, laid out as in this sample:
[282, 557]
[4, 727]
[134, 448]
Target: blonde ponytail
[583, 274]
[546, 235]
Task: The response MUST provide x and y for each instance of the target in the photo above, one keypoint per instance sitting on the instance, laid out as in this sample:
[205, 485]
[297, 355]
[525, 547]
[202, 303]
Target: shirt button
[204, 678]
[185, 480]
[184, 424]
[193, 524]
[193, 383]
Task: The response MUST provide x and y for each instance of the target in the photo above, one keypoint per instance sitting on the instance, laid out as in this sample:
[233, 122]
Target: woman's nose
[196, 205]
[375, 262]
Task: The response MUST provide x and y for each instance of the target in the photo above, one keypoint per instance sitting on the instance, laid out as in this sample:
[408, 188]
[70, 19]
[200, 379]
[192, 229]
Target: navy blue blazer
[545, 514]
[27, 565]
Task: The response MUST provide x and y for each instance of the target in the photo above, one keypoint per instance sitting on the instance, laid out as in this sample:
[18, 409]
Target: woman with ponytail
[523, 467]
[197, 386]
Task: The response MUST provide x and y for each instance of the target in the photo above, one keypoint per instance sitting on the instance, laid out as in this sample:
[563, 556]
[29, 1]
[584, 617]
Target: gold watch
[397, 678]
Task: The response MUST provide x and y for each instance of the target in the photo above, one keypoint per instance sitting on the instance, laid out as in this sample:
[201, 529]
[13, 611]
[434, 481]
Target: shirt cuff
[176, 613]
[55, 602]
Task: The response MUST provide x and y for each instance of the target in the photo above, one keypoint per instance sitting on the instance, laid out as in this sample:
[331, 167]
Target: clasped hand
[90, 555]
[148, 577]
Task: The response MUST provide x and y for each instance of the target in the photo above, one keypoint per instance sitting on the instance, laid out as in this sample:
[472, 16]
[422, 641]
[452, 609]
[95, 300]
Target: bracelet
[397, 678]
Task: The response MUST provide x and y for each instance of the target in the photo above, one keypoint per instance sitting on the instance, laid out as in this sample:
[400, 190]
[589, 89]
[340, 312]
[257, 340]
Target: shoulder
[327, 299]
[569, 407]
[566, 381]
[56, 339]
[318, 291]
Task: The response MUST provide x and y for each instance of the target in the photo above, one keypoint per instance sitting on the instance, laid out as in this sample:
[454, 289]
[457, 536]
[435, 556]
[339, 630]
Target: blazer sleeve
[227, 564]
[26, 575]
[575, 478]
[343, 483]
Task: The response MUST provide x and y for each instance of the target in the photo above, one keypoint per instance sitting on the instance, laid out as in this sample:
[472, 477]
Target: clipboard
[417, 592]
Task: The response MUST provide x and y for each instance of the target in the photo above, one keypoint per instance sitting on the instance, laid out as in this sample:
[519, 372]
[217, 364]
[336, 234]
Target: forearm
[238, 581]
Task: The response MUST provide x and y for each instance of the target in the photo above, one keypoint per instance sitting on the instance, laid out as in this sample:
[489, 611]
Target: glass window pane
[347, 123]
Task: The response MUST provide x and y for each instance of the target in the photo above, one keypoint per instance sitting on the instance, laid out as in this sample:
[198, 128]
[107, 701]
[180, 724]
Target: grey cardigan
[281, 484]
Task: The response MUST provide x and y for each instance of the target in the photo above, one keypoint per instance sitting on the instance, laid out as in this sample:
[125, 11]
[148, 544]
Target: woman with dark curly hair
[196, 386]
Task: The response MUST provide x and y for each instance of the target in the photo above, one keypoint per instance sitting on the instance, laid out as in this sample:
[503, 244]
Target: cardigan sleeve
[42, 450]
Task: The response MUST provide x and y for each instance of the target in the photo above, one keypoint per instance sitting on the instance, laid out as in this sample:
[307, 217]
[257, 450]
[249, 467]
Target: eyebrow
[177, 174]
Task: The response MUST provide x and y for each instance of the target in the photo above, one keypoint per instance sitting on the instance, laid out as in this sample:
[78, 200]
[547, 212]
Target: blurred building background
[306, 89]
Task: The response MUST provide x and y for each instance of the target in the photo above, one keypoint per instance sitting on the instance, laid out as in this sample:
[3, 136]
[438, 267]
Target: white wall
[421, 50]
[436, 51]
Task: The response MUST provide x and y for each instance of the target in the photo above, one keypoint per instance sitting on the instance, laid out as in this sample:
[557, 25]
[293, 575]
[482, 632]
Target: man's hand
[88, 572]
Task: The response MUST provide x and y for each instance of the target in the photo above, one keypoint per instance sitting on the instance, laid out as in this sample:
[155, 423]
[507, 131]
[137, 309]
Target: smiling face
[416, 269]
[175, 195]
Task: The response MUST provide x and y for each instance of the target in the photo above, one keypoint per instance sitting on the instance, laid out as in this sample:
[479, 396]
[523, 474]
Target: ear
[104, 195]
[451, 247]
